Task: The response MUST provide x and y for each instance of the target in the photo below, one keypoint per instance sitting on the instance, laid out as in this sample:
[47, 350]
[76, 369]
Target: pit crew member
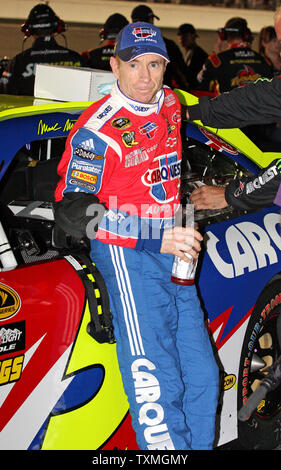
[98, 58]
[235, 66]
[42, 25]
[257, 103]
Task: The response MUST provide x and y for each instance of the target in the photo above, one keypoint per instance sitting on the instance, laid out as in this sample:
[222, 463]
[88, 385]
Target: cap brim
[131, 53]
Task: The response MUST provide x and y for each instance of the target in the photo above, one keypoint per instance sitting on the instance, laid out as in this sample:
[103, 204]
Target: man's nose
[145, 73]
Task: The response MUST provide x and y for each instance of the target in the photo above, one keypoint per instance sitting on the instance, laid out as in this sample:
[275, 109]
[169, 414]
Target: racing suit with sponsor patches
[234, 67]
[128, 154]
[256, 191]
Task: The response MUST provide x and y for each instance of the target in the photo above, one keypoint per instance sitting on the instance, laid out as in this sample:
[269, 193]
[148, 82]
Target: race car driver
[253, 104]
[125, 152]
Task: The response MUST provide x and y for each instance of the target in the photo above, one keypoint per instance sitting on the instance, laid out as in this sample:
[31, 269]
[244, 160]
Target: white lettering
[149, 408]
[260, 243]
[272, 225]
[29, 71]
[151, 413]
[250, 246]
[226, 269]
[240, 250]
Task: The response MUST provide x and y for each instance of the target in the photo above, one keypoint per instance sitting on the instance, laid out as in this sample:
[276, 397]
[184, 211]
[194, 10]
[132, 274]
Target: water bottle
[183, 273]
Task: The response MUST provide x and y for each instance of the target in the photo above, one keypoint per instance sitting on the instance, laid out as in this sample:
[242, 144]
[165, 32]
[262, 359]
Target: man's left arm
[255, 103]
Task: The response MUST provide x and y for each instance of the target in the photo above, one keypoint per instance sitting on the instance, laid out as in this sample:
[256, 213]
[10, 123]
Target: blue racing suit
[128, 154]
[164, 352]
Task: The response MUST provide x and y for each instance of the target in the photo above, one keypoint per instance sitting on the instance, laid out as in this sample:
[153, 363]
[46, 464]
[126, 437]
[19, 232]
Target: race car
[60, 383]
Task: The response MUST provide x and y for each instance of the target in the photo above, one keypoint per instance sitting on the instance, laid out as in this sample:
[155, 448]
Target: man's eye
[155, 65]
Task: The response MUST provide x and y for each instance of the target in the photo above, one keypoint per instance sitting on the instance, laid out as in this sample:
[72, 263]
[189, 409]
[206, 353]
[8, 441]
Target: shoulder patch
[215, 60]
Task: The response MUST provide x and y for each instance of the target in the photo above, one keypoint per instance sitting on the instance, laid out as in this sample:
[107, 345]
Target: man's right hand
[180, 240]
[208, 197]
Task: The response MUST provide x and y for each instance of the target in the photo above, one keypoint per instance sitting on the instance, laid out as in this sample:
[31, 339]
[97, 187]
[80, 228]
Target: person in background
[255, 103]
[99, 58]
[176, 71]
[270, 48]
[195, 56]
[3, 67]
[236, 66]
[42, 25]
[127, 147]
[219, 44]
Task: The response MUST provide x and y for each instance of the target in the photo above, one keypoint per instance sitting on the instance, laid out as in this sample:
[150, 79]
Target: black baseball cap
[142, 13]
[186, 28]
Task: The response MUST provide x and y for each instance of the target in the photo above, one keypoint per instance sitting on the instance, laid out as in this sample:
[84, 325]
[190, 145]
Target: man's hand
[208, 197]
[180, 240]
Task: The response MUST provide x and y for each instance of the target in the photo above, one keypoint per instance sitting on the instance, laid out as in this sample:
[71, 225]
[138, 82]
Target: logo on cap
[143, 32]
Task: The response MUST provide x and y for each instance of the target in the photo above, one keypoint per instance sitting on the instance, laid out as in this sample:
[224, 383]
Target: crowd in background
[233, 62]
[251, 4]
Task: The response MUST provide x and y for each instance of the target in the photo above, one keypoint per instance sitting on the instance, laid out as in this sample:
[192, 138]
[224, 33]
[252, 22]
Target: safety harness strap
[100, 326]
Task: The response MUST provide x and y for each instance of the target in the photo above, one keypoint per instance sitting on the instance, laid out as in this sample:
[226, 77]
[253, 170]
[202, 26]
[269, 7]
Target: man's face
[141, 78]
[186, 39]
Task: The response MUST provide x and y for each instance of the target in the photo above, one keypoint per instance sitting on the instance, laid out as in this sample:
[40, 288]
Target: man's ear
[114, 66]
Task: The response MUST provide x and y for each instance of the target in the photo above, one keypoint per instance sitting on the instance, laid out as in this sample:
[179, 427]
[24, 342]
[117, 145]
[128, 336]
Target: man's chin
[145, 97]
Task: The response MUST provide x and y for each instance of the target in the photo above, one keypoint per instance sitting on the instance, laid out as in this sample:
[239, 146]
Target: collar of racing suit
[141, 109]
[238, 45]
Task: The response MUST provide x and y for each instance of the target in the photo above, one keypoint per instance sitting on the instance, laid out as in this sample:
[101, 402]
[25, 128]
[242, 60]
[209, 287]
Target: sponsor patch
[83, 176]
[149, 129]
[105, 112]
[135, 157]
[261, 180]
[128, 139]
[166, 168]
[88, 144]
[82, 184]
[87, 168]
[176, 117]
[215, 60]
[238, 191]
[170, 100]
[247, 74]
[86, 154]
[121, 123]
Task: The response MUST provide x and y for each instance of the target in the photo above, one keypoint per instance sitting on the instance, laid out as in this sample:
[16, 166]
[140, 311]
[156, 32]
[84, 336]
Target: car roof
[13, 106]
